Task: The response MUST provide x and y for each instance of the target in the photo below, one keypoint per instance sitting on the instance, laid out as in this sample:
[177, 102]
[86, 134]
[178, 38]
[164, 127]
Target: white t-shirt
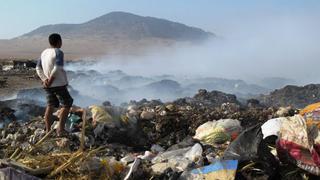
[51, 64]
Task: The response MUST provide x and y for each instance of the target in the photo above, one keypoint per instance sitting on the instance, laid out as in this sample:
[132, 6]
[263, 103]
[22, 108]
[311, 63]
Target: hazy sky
[19, 16]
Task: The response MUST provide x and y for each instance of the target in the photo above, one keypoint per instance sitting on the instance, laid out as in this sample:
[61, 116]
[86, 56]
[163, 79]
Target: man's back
[51, 63]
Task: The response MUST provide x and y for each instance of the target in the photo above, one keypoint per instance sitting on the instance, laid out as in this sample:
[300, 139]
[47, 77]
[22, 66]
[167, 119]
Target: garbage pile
[208, 136]
[295, 96]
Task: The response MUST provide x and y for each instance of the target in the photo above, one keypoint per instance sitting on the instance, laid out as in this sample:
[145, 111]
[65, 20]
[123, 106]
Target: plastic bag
[99, 115]
[248, 147]
[271, 127]
[72, 121]
[218, 132]
[194, 153]
[299, 144]
[170, 154]
[220, 169]
[179, 159]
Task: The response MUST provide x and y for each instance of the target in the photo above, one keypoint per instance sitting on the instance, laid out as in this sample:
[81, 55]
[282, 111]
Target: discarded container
[72, 121]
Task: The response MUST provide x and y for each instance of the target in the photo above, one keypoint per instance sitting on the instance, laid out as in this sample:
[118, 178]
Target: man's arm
[40, 71]
[58, 66]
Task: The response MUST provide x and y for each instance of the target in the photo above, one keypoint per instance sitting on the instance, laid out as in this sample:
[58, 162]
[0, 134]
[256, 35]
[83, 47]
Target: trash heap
[208, 136]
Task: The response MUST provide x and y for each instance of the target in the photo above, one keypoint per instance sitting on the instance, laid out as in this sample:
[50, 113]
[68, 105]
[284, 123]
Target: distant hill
[275, 82]
[113, 33]
[122, 25]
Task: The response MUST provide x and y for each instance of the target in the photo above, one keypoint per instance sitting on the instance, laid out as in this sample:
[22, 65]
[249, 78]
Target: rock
[63, 143]
[229, 108]
[18, 136]
[37, 135]
[91, 165]
[147, 114]
[171, 107]
[159, 168]
[180, 163]
[284, 111]
[87, 140]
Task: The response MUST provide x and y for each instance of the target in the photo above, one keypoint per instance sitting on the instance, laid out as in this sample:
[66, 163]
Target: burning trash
[191, 138]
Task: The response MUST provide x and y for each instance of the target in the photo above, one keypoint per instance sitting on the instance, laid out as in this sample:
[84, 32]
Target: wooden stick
[71, 160]
[23, 167]
[15, 153]
[82, 139]
[41, 140]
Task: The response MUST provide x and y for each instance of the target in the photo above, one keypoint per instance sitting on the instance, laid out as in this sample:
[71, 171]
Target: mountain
[113, 33]
[275, 82]
[122, 25]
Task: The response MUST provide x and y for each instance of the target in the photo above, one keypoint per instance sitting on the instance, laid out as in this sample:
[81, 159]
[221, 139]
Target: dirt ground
[12, 81]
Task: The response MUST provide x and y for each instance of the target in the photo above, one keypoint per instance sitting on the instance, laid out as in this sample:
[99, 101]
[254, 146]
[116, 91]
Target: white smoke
[250, 48]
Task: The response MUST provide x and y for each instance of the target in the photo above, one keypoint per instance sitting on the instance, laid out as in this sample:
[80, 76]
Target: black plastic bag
[249, 148]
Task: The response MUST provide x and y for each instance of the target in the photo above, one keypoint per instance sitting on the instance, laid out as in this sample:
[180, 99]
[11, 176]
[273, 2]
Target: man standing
[54, 79]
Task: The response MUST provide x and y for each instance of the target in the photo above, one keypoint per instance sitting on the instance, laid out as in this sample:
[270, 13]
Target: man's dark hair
[54, 39]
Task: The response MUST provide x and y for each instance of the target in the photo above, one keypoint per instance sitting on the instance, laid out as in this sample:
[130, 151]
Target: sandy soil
[11, 82]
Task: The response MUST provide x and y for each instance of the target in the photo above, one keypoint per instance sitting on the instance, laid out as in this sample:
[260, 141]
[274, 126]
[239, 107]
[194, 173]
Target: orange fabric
[312, 114]
[310, 108]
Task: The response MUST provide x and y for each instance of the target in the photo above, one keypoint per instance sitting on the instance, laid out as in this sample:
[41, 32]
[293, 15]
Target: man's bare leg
[62, 119]
[48, 117]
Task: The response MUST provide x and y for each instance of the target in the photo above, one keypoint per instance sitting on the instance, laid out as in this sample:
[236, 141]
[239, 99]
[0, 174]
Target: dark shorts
[57, 96]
